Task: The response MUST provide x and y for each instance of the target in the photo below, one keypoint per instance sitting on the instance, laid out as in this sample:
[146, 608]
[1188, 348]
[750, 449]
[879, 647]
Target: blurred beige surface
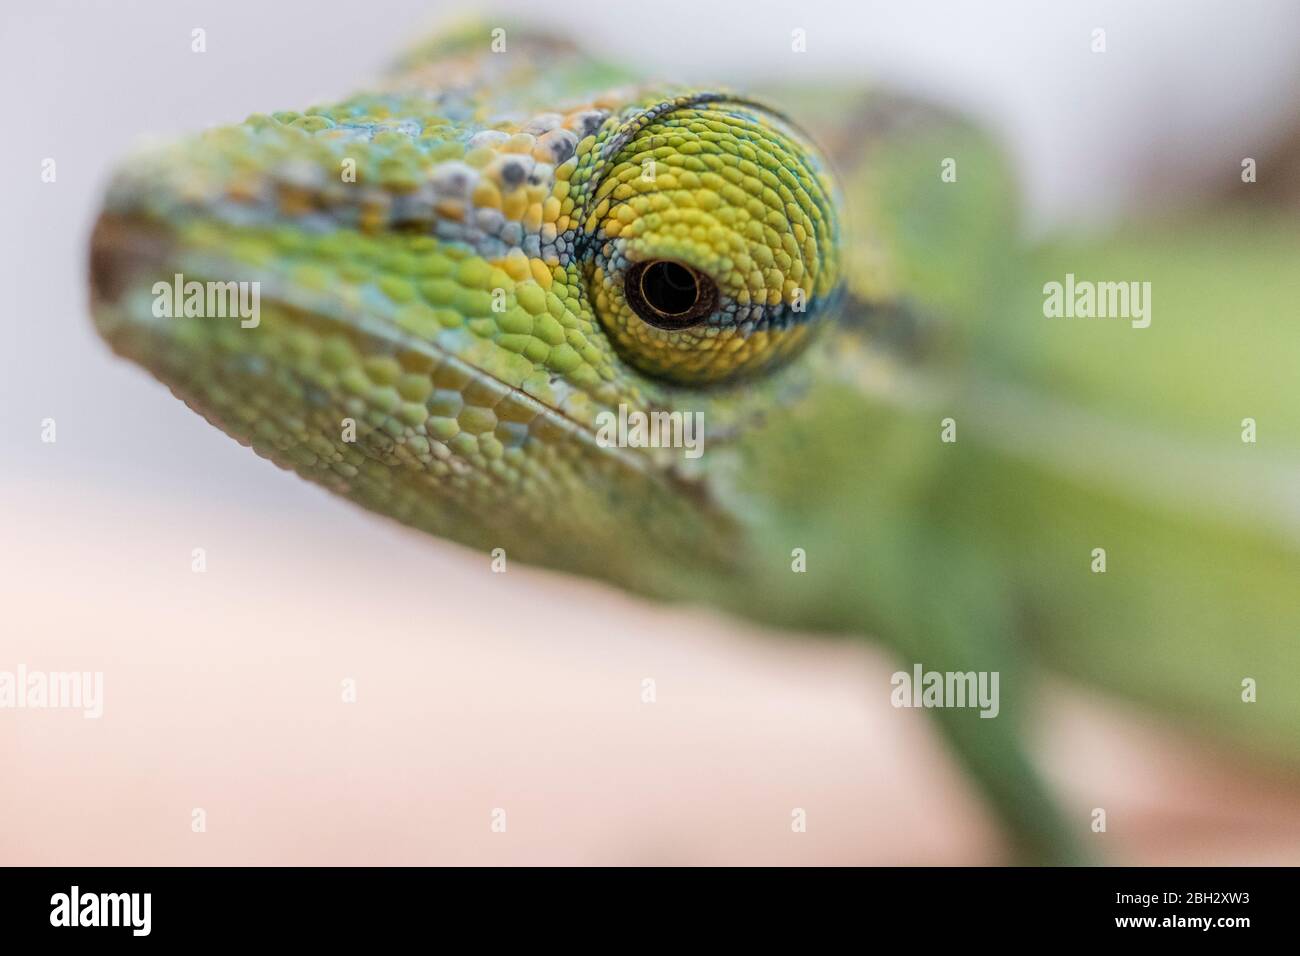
[475, 690]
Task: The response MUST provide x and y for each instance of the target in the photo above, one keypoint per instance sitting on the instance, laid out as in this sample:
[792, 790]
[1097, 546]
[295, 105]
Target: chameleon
[468, 270]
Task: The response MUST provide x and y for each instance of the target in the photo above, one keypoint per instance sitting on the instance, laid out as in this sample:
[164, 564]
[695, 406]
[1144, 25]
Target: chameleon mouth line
[122, 250]
[126, 252]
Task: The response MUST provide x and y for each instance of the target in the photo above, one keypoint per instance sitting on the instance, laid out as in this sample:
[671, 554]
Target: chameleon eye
[669, 295]
[709, 237]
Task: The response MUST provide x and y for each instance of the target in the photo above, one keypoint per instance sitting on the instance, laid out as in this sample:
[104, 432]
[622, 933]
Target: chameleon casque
[529, 237]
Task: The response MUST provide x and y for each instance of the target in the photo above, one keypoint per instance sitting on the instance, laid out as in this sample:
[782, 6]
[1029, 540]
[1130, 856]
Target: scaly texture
[442, 265]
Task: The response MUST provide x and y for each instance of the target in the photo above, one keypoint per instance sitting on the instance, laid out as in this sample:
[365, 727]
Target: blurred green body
[973, 554]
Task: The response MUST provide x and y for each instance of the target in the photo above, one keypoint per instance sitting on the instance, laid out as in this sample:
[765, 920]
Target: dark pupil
[669, 295]
[670, 288]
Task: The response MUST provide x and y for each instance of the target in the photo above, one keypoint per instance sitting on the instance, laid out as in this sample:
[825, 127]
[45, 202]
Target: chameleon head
[446, 311]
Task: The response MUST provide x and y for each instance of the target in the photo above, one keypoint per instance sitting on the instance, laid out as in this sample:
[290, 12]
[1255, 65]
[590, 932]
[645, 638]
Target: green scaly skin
[468, 313]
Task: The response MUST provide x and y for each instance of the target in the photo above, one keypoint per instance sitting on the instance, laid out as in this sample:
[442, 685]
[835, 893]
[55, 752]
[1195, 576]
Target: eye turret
[713, 239]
